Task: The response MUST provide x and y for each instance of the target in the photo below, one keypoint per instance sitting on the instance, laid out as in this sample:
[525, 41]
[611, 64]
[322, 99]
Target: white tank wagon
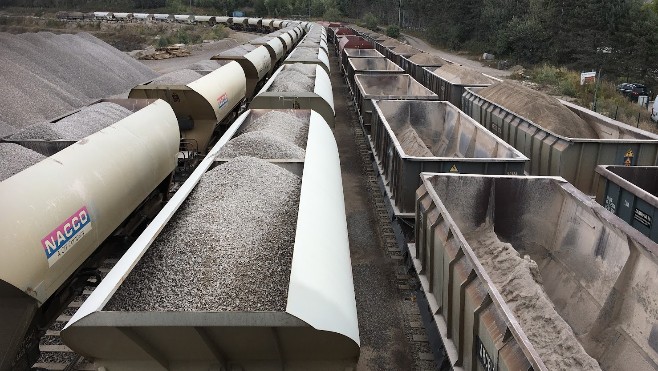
[239, 23]
[52, 229]
[565, 139]
[226, 21]
[143, 17]
[311, 55]
[285, 38]
[254, 24]
[205, 20]
[296, 86]
[267, 25]
[255, 62]
[184, 18]
[123, 16]
[104, 16]
[570, 277]
[274, 46]
[203, 104]
[412, 136]
[164, 17]
[277, 24]
[315, 328]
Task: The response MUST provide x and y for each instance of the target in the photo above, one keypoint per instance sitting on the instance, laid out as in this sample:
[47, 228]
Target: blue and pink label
[222, 100]
[62, 238]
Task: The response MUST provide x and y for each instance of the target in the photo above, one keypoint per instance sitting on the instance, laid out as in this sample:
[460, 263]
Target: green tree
[332, 14]
[393, 31]
[370, 21]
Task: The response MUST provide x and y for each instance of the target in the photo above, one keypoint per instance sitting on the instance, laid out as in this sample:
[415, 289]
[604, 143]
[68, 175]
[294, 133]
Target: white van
[654, 110]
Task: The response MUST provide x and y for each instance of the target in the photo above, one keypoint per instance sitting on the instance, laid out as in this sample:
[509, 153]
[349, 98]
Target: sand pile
[426, 59]
[411, 143]
[539, 108]
[518, 280]
[457, 74]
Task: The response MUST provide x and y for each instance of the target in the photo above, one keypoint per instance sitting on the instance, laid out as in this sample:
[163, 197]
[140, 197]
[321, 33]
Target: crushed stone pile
[180, 77]
[305, 53]
[285, 125]
[519, 282]
[457, 74]
[263, 145]
[290, 81]
[304, 68]
[228, 248]
[539, 108]
[54, 74]
[79, 125]
[15, 158]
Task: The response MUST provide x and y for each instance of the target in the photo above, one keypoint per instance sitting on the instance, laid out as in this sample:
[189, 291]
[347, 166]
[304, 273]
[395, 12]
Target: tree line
[618, 37]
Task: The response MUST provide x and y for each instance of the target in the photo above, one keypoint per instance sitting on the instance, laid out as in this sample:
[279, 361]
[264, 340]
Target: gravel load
[228, 248]
[15, 158]
[78, 125]
[519, 282]
[180, 77]
[205, 65]
[263, 145]
[457, 74]
[307, 69]
[290, 81]
[285, 125]
[54, 74]
[411, 143]
[305, 53]
[539, 108]
[427, 59]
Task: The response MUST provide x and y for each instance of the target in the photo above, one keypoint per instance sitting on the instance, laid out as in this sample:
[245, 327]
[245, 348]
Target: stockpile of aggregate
[519, 282]
[275, 135]
[411, 143]
[15, 158]
[179, 77]
[6, 130]
[540, 108]
[228, 248]
[294, 78]
[457, 74]
[427, 59]
[305, 53]
[205, 65]
[46, 75]
[79, 125]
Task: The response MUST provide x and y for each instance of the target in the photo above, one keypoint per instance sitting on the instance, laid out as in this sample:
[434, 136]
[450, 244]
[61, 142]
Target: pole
[596, 88]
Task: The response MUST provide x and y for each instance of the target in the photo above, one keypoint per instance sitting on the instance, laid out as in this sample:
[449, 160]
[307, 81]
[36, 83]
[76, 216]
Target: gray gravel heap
[6, 130]
[263, 145]
[282, 124]
[228, 248]
[307, 69]
[54, 74]
[179, 77]
[15, 158]
[292, 82]
[78, 125]
[305, 53]
[205, 65]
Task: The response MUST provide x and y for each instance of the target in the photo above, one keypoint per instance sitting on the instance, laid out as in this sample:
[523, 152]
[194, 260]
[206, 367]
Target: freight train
[86, 199]
[488, 248]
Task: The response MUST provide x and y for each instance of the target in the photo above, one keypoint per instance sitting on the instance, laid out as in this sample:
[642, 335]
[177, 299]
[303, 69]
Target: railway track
[55, 355]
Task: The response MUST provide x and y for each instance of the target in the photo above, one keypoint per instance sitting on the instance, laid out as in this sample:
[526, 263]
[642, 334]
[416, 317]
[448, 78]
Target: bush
[370, 21]
[332, 14]
[393, 31]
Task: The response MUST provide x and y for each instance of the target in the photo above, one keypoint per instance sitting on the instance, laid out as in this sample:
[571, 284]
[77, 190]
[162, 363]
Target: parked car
[633, 90]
